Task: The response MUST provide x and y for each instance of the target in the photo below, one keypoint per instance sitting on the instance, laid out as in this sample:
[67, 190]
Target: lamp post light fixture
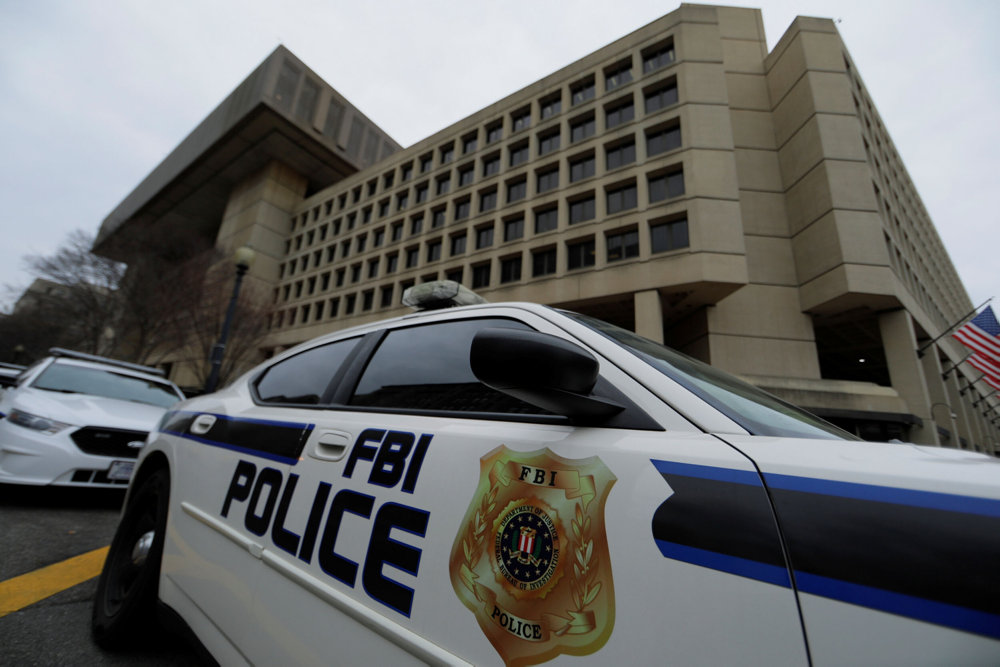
[243, 258]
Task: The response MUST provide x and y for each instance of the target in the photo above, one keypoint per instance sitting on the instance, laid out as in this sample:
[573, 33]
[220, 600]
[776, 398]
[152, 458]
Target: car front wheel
[125, 603]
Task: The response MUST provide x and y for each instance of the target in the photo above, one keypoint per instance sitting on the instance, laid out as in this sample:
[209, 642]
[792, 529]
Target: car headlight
[36, 423]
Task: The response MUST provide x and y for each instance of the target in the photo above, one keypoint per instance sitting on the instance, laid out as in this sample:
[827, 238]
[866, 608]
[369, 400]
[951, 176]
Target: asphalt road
[43, 526]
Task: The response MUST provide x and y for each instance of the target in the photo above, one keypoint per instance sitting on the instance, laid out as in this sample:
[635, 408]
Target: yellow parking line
[27, 589]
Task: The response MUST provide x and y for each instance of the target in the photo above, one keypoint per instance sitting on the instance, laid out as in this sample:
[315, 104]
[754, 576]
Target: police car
[514, 484]
[76, 419]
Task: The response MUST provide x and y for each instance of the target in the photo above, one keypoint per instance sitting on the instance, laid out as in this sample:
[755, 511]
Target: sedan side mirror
[543, 370]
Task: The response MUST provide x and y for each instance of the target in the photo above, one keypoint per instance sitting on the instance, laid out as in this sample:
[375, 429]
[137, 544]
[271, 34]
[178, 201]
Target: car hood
[87, 410]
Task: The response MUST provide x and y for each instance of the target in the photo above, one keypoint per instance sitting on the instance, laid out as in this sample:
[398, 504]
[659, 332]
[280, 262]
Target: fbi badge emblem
[531, 558]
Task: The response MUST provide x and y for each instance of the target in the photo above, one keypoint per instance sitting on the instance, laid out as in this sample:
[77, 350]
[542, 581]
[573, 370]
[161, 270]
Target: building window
[458, 244]
[543, 262]
[581, 168]
[397, 231]
[510, 269]
[373, 268]
[657, 56]
[580, 254]
[387, 180]
[351, 219]
[581, 210]
[581, 91]
[488, 201]
[623, 245]
[666, 186]
[437, 217]
[447, 153]
[361, 241]
[455, 274]
[334, 306]
[391, 263]
[668, 235]
[548, 142]
[444, 184]
[484, 237]
[546, 220]
[618, 75]
[494, 132]
[468, 143]
[372, 187]
[367, 299]
[426, 161]
[622, 198]
[519, 153]
[416, 224]
[412, 256]
[481, 275]
[520, 119]
[619, 112]
[366, 214]
[356, 273]
[491, 165]
[513, 229]
[548, 180]
[345, 249]
[341, 273]
[386, 296]
[662, 140]
[378, 238]
[324, 282]
[550, 106]
[582, 128]
[661, 97]
[620, 154]
[405, 172]
[434, 250]
[517, 190]
[422, 193]
[463, 208]
[466, 175]
[402, 200]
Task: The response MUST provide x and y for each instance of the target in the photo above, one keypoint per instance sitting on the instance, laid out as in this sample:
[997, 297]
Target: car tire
[124, 609]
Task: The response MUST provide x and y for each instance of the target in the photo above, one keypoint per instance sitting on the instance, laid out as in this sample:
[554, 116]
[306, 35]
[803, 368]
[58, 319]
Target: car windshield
[755, 410]
[73, 379]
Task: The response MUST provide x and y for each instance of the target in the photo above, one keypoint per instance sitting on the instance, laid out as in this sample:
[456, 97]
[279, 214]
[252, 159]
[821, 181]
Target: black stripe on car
[273, 440]
[919, 554]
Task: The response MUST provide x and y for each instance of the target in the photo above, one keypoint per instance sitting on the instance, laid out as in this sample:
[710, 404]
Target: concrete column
[940, 408]
[906, 372]
[649, 315]
[959, 408]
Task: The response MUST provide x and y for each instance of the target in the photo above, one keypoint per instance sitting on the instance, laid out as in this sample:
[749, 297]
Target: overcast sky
[95, 93]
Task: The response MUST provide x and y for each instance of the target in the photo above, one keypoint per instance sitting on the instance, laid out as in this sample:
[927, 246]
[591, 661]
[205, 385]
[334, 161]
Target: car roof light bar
[83, 356]
[439, 294]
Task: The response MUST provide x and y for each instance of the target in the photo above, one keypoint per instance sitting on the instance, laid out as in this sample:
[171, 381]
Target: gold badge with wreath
[531, 558]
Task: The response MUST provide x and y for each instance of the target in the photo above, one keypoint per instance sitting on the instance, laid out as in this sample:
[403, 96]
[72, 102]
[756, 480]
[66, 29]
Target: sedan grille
[109, 441]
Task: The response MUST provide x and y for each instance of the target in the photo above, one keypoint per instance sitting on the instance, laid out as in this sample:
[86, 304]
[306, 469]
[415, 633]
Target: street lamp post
[243, 258]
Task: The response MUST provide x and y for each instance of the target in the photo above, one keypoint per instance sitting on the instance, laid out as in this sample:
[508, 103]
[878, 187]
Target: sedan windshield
[72, 379]
[755, 410]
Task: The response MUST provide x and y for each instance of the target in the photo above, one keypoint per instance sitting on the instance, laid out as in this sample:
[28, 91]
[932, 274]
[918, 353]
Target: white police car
[75, 419]
[509, 483]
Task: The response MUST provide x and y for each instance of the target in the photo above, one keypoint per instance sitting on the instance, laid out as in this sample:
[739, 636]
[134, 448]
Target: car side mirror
[543, 370]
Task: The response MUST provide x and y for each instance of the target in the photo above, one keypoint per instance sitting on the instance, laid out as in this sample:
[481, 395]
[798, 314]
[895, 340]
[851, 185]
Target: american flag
[991, 371]
[982, 335]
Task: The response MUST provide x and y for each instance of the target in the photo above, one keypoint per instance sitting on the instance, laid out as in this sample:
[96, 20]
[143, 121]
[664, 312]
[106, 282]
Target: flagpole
[961, 392]
[920, 351]
[944, 376]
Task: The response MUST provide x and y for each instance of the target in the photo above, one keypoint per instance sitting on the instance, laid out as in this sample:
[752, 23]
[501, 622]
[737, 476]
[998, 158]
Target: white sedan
[513, 484]
[75, 419]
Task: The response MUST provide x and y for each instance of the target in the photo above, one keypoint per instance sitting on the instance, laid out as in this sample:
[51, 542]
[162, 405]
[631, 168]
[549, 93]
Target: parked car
[9, 373]
[75, 419]
[512, 483]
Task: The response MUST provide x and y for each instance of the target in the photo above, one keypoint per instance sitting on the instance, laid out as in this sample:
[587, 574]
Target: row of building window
[579, 253]
[616, 112]
[660, 186]
[617, 154]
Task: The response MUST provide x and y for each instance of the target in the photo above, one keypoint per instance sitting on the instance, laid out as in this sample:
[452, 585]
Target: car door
[435, 519]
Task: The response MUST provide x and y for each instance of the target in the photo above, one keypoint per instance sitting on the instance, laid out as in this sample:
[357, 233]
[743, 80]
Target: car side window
[302, 379]
[427, 368]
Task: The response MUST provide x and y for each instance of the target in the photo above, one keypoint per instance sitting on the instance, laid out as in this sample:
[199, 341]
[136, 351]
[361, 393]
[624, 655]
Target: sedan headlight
[36, 423]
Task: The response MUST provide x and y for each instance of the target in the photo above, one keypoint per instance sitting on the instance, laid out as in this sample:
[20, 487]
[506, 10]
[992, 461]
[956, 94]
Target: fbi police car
[514, 484]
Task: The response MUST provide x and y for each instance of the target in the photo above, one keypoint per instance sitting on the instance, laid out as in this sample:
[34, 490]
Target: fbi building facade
[743, 206]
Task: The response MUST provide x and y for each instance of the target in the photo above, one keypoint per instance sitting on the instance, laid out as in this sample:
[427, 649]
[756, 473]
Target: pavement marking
[27, 589]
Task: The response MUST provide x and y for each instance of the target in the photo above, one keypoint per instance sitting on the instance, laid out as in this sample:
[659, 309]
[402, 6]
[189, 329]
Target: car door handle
[202, 424]
[331, 445]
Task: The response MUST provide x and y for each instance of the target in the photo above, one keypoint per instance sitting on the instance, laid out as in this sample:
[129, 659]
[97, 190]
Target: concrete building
[746, 207]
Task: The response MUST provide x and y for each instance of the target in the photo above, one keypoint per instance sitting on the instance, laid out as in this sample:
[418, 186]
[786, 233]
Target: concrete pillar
[940, 408]
[906, 372]
[649, 315]
[965, 428]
